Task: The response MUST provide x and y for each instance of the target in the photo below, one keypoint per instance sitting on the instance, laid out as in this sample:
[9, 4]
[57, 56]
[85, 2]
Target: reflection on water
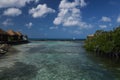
[54, 60]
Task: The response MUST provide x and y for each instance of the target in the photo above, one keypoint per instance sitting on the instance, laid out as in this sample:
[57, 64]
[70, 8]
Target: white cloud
[65, 4]
[83, 3]
[36, 1]
[29, 25]
[14, 3]
[106, 19]
[12, 12]
[70, 14]
[102, 26]
[40, 11]
[118, 19]
[7, 22]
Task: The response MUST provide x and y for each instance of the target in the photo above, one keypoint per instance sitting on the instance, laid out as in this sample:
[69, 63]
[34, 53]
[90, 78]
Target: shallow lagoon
[55, 60]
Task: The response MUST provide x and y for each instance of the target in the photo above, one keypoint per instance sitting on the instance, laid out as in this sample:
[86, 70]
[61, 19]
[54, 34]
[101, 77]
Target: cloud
[106, 19]
[110, 24]
[83, 3]
[70, 14]
[77, 32]
[102, 26]
[40, 11]
[29, 25]
[36, 1]
[7, 22]
[12, 12]
[118, 19]
[54, 27]
[15, 3]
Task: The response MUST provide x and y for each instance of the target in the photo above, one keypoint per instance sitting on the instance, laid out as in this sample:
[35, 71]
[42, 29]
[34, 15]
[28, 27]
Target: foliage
[104, 41]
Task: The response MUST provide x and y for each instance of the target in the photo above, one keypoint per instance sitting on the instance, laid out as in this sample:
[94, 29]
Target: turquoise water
[55, 60]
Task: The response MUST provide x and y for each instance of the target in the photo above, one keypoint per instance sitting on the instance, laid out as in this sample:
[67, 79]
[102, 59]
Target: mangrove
[105, 43]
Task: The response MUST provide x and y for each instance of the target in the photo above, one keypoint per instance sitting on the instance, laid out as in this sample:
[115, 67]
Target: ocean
[56, 60]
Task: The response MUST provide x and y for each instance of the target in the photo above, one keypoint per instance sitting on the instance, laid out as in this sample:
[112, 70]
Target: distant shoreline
[35, 39]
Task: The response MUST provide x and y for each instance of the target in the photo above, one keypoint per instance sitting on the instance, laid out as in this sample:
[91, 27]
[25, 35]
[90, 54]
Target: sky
[59, 18]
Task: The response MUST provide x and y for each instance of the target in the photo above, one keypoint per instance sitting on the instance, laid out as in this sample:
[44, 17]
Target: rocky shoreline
[9, 38]
[7, 49]
[4, 48]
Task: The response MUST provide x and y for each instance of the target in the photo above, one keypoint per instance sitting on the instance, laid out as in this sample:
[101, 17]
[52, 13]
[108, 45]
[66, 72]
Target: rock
[4, 48]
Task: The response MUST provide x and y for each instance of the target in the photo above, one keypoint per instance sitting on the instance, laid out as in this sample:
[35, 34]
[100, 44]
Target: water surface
[55, 60]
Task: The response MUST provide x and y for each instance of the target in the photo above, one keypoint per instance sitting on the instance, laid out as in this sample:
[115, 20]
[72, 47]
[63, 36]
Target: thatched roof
[2, 32]
[19, 33]
[11, 33]
[90, 36]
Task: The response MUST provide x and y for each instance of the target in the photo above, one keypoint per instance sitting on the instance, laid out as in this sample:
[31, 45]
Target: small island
[10, 37]
[104, 43]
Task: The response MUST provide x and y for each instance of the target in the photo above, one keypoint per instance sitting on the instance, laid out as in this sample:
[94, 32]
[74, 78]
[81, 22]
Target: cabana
[3, 36]
[12, 36]
[20, 36]
[90, 36]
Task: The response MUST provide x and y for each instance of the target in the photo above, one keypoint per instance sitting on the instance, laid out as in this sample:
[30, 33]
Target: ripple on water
[19, 71]
[54, 61]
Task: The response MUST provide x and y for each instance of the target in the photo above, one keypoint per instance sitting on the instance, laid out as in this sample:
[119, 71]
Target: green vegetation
[105, 42]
